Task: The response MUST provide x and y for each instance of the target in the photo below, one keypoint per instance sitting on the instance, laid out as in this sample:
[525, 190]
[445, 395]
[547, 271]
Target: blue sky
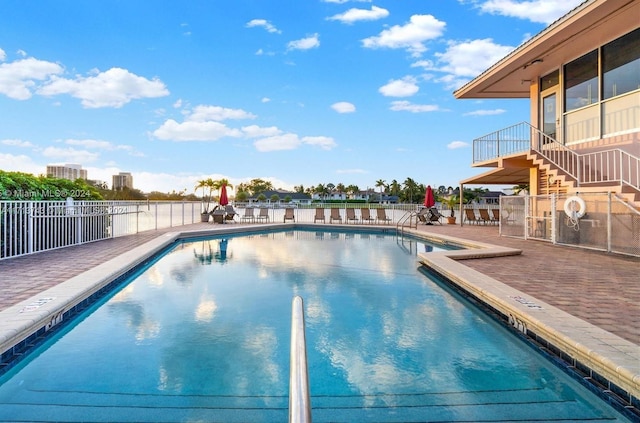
[295, 92]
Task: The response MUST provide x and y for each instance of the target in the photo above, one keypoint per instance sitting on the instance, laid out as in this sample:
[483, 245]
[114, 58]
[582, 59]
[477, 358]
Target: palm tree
[219, 183]
[207, 186]
[409, 188]
[380, 183]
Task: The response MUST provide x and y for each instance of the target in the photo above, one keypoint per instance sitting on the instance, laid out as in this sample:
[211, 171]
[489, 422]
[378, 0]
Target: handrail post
[299, 397]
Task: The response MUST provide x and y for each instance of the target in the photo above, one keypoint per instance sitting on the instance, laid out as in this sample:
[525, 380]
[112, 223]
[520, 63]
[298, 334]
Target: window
[550, 80]
[621, 65]
[581, 82]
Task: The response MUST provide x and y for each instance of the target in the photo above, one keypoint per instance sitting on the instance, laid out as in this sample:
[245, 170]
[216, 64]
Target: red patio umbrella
[429, 199]
[224, 200]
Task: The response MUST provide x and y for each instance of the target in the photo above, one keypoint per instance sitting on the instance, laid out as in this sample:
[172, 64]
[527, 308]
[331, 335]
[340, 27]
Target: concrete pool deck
[596, 294]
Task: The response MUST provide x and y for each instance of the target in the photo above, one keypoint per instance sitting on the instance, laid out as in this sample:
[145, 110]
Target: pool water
[202, 335]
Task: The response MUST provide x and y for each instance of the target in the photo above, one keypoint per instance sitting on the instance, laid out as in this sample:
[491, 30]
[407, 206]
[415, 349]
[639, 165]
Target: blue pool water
[202, 335]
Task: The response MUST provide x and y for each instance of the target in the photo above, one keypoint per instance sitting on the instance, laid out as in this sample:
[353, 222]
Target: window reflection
[621, 65]
[581, 81]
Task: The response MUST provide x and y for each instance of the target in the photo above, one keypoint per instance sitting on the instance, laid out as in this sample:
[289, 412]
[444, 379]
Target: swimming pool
[202, 334]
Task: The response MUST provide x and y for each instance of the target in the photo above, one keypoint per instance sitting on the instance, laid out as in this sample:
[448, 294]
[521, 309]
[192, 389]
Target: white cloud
[465, 60]
[354, 15]
[405, 87]
[16, 143]
[457, 144]
[304, 43]
[17, 79]
[104, 145]
[265, 100]
[346, 1]
[70, 155]
[194, 131]
[113, 88]
[411, 36]
[485, 112]
[343, 107]
[177, 104]
[20, 163]
[264, 24]
[325, 143]
[255, 131]
[405, 106]
[278, 142]
[3, 55]
[542, 11]
[216, 113]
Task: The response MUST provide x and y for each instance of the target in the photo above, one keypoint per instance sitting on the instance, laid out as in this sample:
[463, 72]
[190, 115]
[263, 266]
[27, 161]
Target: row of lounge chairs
[484, 218]
[365, 216]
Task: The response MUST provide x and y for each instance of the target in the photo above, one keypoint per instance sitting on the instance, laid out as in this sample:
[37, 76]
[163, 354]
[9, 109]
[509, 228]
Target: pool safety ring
[574, 207]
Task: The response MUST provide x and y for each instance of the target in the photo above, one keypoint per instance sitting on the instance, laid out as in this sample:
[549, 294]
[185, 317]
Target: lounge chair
[381, 216]
[289, 214]
[248, 215]
[470, 216]
[495, 215]
[351, 215]
[230, 213]
[430, 215]
[484, 216]
[365, 215]
[218, 216]
[335, 215]
[263, 215]
[319, 215]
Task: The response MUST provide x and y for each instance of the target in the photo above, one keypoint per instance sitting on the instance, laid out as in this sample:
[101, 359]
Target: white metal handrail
[299, 397]
[606, 166]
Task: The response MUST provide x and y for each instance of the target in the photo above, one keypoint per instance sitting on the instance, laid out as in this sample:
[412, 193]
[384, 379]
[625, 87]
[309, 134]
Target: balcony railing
[607, 166]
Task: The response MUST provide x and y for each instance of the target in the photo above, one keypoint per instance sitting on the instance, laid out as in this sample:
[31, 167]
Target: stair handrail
[299, 396]
[408, 216]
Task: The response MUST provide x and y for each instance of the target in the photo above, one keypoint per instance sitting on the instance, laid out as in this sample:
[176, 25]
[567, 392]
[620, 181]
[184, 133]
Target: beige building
[122, 180]
[582, 77]
[68, 171]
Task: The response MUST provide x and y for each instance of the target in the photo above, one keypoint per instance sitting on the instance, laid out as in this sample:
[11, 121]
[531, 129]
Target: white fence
[31, 226]
[606, 222]
[28, 227]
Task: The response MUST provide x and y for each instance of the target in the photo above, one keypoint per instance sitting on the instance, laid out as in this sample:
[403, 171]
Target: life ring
[570, 207]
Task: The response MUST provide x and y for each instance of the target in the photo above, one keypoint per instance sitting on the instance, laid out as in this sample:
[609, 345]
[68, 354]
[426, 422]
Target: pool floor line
[613, 360]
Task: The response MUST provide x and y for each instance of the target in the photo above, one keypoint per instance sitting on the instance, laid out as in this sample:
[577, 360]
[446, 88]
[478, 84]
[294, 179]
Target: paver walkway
[603, 289]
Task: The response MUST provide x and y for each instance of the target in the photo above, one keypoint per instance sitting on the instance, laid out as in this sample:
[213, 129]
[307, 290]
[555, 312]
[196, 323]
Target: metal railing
[28, 227]
[609, 224]
[299, 396]
[607, 166]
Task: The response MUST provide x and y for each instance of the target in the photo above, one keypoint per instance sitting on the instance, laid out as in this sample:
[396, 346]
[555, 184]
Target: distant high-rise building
[122, 180]
[68, 171]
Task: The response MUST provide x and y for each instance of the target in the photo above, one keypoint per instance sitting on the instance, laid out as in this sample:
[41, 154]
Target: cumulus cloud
[204, 113]
[355, 15]
[486, 112]
[541, 11]
[16, 143]
[405, 87]
[343, 107]
[113, 88]
[325, 143]
[70, 155]
[20, 163]
[457, 144]
[304, 43]
[255, 131]
[19, 78]
[278, 142]
[405, 106]
[3, 55]
[103, 145]
[411, 36]
[464, 60]
[194, 131]
[263, 23]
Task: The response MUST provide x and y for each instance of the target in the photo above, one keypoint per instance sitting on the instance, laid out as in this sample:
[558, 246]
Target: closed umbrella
[429, 199]
[224, 200]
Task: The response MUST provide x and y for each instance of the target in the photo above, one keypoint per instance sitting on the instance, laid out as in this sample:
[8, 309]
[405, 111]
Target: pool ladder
[409, 219]
[299, 396]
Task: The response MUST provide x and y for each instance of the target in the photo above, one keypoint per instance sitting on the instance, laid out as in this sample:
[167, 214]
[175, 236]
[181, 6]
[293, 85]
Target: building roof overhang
[500, 176]
[588, 26]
